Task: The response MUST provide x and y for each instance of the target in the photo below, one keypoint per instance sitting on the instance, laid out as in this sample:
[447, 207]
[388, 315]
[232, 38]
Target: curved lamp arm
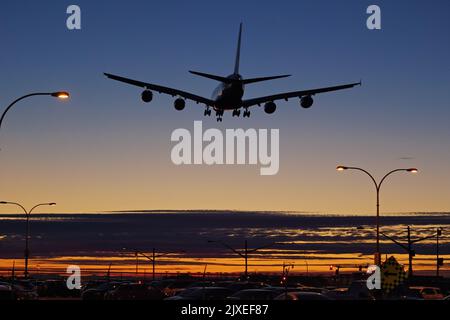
[412, 170]
[59, 94]
[27, 213]
[40, 205]
[341, 168]
[15, 204]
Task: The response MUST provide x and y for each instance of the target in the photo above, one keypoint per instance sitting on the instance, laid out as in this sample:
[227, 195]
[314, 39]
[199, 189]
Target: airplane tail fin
[236, 69]
[238, 52]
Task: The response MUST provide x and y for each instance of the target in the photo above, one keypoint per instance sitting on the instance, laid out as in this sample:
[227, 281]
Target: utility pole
[439, 261]
[408, 247]
[243, 253]
[153, 264]
[152, 258]
[246, 259]
[410, 253]
[137, 263]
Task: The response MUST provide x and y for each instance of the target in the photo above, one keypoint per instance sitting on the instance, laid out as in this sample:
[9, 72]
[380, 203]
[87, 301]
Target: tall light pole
[62, 95]
[377, 187]
[152, 258]
[243, 253]
[27, 236]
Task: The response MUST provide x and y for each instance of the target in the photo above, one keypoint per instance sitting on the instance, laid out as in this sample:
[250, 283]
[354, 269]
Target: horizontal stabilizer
[245, 81]
[254, 80]
[211, 76]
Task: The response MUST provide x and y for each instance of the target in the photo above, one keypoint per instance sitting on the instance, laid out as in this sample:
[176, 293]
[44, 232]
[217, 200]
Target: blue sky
[105, 134]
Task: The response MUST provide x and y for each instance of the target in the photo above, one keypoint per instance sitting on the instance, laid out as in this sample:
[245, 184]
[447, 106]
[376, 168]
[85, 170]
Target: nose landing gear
[236, 113]
[246, 113]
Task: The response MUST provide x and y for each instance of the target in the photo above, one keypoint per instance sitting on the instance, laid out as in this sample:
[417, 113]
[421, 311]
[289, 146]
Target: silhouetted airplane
[228, 95]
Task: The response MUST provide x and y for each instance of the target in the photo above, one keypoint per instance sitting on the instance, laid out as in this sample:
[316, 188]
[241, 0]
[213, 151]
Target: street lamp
[62, 95]
[27, 236]
[245, 252]
[377, 187]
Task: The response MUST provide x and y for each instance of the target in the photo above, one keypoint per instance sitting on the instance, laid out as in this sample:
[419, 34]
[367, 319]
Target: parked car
[6, 292]
[57, 289]
[428, 293]
[338, 294]
[255, 294]
[358, 290]
[24, 290]
[305, 296]
[238, 286]
[134, 291]
[202, 293]
[175, 287]
[312, 289]
[98, 292]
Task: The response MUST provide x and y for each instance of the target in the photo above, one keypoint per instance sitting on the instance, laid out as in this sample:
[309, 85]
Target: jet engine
[270, 107]
[147, 96]
[179, 104]
[306, 102]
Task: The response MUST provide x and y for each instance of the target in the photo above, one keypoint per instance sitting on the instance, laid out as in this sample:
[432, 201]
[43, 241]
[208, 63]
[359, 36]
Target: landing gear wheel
[207, 113]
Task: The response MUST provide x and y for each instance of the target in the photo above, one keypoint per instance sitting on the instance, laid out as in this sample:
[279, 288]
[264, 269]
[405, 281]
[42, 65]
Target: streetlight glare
[413, 170]
[61, 95]
[341, 168]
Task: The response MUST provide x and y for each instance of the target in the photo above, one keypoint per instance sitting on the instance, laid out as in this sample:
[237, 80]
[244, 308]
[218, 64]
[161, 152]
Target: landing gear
[207, 112]
[246, 113]
[236, 113]
[219, 114]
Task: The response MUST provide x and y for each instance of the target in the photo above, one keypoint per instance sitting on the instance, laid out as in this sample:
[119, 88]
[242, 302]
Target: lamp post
[243, 253]
[62, 95]
[377, 187]
[27, 236]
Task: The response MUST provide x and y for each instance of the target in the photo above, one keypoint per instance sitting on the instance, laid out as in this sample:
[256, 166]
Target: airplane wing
[161, 89]
[295, 94]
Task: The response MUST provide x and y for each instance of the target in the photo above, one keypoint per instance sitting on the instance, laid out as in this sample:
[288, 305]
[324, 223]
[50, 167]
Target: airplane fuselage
[228, 96]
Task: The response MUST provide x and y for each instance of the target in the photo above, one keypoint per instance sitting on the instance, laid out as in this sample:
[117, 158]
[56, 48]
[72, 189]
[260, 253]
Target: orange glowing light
[61, 95]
